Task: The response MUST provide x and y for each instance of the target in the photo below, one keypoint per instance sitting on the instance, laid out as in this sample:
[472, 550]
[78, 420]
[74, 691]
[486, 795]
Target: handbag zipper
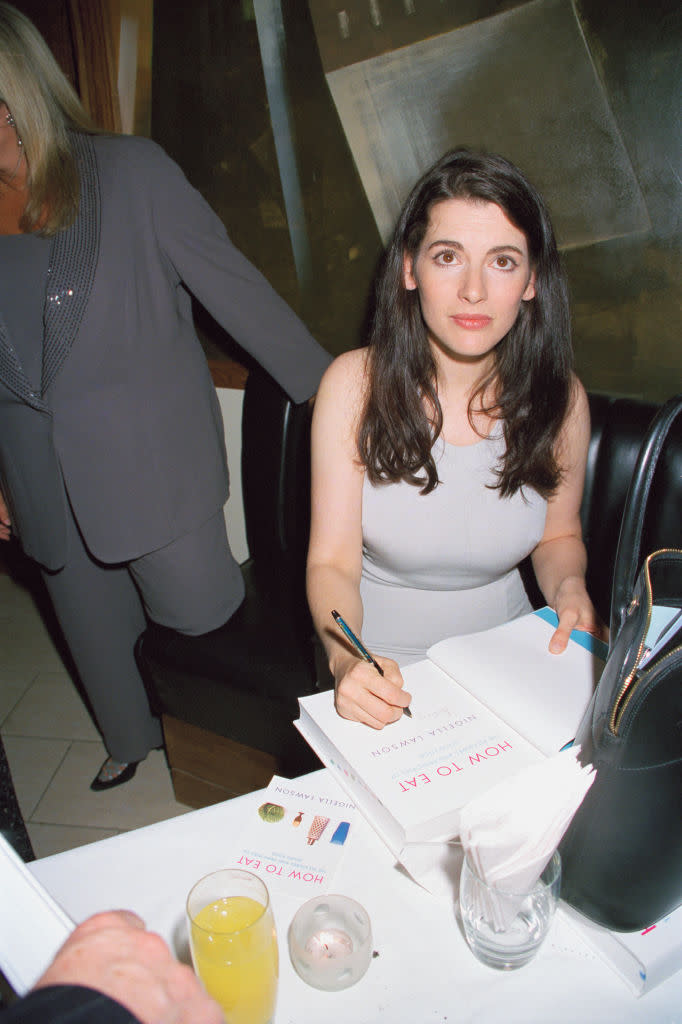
[624, 698]
[633, 696]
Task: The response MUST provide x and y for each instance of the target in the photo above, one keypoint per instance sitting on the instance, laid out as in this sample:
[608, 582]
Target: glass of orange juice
[234, 944]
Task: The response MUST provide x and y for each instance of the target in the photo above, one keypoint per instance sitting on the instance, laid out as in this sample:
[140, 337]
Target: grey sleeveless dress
[444, 563]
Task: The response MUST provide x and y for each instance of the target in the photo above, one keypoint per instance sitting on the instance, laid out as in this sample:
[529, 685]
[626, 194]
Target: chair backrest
[276, 481]
[618, 428]
[276, 486]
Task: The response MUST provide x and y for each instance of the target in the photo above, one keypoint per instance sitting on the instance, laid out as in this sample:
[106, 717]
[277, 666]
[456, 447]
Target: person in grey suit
[113, 468]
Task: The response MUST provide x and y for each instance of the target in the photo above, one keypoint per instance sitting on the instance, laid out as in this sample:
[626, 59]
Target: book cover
[483, 707]
[294, 834]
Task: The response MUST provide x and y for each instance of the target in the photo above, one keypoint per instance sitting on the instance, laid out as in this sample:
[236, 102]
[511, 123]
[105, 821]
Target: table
[424, 972]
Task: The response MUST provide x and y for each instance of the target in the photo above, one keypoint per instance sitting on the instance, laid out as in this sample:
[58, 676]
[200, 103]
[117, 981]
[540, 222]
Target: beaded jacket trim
[73, 262]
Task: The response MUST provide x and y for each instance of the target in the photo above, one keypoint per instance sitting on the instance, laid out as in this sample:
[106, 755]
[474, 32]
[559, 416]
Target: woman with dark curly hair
[455, 444]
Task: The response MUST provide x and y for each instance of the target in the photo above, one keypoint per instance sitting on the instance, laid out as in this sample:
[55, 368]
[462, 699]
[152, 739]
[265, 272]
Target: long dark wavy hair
[531, 377]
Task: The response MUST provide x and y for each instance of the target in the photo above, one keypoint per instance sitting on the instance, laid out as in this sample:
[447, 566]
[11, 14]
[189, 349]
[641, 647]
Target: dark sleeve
[66, 1004]
[233, 291]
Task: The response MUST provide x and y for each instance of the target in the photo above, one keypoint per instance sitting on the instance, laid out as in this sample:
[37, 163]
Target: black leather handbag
[622, 853]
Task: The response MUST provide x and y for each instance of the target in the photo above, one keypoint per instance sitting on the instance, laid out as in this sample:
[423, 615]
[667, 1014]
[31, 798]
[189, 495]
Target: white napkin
[511, 831]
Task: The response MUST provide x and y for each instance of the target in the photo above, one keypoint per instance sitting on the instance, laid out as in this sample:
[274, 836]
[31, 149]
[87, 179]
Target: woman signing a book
[454, 445]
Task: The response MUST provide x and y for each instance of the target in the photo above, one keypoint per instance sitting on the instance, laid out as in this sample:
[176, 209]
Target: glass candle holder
[505, 927]
[330, 942]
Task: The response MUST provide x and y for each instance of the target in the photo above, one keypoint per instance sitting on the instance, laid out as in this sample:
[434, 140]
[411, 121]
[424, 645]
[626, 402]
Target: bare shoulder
[578, 403]
[348, 370]
[339, 404]
[575, 432]
[578, 414]
[344, 384]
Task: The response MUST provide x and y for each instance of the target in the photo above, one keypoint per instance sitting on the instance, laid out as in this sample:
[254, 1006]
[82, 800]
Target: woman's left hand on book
[575, 611]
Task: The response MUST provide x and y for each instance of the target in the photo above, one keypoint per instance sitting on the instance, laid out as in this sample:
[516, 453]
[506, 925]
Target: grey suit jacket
[127, 426]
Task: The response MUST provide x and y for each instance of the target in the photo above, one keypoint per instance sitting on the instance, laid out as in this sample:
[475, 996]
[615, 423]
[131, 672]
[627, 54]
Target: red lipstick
[470, 322]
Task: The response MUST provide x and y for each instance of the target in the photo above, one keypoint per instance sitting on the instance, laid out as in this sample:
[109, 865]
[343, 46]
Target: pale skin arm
[114, 954]
[5, 521]
[335, 551]
[560, 559]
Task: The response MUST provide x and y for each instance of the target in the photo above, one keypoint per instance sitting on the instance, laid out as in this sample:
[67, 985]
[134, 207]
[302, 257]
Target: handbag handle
[634, 513]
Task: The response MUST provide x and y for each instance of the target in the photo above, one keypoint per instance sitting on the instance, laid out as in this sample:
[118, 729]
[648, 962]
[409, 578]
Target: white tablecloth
[424, 972]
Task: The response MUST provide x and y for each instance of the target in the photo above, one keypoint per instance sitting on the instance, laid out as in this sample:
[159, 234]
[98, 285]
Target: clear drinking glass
[330, 942]
[234, 944]
[503, 927]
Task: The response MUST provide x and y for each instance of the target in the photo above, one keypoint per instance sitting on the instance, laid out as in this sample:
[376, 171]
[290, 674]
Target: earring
[13, 124]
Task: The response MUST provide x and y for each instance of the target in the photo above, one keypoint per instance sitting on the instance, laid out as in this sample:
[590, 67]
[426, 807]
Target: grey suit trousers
[193, 585]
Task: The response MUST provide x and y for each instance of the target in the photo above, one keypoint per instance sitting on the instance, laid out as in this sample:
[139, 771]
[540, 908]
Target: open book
[484, 706]
[34, 925]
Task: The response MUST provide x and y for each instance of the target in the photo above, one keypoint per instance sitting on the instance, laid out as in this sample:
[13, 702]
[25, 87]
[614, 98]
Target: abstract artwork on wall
[521, 83]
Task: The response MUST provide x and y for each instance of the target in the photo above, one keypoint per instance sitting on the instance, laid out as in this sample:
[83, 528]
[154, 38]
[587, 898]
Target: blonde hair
[45, 107]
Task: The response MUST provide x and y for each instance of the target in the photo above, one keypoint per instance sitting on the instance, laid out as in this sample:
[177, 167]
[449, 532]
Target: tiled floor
[53, 747]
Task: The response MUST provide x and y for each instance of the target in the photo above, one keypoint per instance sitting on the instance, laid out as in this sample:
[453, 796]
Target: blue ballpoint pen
[361, 649]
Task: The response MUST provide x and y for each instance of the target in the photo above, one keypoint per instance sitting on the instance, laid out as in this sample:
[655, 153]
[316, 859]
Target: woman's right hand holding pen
[362, 695]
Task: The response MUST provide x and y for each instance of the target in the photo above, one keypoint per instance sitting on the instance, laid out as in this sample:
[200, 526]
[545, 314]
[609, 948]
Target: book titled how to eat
[484, 706]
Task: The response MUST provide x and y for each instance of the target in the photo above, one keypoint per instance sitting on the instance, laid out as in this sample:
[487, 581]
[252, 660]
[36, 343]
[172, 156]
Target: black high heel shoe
[105, 780]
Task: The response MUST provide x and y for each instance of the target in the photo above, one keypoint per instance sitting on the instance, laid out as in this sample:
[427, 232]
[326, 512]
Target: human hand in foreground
[113, 953]
[364, 695]
[5, 521]
[575, 611]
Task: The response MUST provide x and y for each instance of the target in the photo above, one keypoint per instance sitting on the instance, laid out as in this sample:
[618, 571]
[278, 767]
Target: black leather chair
[228, 699]
[618, 427]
